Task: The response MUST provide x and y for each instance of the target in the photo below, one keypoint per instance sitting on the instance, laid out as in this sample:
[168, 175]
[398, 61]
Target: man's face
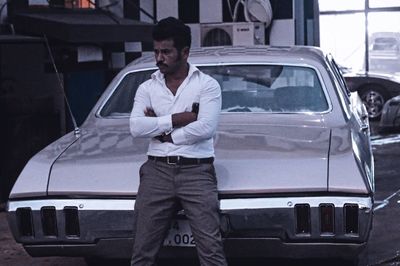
[168, 58]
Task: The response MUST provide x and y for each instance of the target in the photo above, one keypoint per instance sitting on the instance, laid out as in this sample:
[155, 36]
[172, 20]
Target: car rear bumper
[234, 248]
[271, 227]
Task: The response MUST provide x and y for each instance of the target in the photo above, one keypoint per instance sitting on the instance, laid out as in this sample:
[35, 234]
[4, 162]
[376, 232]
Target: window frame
[366, 11]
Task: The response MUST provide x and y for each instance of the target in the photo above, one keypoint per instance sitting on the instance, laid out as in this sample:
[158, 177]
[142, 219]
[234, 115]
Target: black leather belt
[179, 160]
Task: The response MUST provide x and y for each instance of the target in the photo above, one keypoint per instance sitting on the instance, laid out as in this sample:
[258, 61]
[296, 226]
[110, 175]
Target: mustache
[161, 64]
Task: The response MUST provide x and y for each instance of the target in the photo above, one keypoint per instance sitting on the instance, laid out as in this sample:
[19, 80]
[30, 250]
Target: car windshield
[245, 88]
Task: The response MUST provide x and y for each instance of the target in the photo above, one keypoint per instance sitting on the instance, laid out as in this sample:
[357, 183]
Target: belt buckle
[172, 163]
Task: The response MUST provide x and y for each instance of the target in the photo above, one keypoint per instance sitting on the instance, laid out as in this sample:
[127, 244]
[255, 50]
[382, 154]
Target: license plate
[179, 234]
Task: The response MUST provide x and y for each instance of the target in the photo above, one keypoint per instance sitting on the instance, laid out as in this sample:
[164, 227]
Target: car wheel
[373, 97]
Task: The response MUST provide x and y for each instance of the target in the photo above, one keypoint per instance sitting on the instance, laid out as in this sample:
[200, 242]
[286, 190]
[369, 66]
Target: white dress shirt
[194, 140]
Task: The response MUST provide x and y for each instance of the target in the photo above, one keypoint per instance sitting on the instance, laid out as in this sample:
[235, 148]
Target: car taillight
[351, 218]
[49, 221]
[327, 218]
[303, 221]
[24, 221]
[71, 222]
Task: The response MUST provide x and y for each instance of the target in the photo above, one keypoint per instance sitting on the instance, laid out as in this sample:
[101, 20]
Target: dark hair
[175, 29]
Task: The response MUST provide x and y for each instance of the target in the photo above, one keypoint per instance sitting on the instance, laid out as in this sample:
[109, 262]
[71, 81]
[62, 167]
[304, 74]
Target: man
[179, 170]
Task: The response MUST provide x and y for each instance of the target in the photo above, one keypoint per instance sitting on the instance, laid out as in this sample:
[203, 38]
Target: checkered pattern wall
[197, 12]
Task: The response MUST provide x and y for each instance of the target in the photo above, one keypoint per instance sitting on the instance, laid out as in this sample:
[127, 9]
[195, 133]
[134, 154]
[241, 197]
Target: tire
[374, 98]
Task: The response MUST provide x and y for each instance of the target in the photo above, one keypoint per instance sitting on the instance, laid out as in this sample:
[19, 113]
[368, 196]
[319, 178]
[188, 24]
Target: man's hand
[167, 138]
[164, 138]
[183, 119]
[149, 112]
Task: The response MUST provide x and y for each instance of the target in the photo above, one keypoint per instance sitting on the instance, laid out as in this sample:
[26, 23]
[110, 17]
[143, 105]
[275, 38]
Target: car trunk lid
[255, 158]
[273, 158]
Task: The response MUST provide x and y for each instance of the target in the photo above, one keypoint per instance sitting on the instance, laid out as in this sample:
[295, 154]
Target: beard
[170, 68]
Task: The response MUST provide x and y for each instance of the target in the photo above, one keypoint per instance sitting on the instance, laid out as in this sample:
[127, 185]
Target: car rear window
[121, 101]
[269, 88]
[245, 88]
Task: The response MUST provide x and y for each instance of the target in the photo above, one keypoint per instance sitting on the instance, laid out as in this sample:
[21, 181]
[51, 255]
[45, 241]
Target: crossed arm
[182, 128]
[178, 120]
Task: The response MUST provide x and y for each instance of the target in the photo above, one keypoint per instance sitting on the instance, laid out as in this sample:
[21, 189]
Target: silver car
[293, 159]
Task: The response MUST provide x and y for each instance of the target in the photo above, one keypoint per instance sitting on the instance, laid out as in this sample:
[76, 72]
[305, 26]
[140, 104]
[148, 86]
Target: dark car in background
[375, 89]
[390, 118]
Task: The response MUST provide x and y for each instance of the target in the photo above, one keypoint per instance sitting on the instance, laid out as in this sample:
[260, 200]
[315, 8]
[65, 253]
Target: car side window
[339, 75]
[269, 88]
[340, 84]
[344, 91]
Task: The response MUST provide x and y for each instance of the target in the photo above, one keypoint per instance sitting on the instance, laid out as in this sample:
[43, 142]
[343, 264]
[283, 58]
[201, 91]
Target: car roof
[243, 54]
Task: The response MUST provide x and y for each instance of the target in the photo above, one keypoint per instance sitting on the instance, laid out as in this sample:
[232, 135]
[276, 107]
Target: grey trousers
[162, 187]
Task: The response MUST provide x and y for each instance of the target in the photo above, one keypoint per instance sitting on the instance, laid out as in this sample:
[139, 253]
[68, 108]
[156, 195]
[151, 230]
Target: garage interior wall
[294, 22]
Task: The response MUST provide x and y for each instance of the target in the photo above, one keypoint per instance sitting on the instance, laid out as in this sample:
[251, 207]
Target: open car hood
[250, 159]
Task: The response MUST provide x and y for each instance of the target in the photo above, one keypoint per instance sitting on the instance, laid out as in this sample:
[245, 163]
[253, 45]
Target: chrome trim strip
[290, 202]
[82, 204]
[226, 204]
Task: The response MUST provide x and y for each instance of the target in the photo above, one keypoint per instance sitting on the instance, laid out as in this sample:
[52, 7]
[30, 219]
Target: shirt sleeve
[207, 120]
[144, 126]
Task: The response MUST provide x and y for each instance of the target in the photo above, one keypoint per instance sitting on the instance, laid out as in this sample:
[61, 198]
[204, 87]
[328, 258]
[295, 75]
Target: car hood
[252, 159]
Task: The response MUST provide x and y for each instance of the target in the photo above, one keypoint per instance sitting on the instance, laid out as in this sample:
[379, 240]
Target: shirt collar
[160, 76]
